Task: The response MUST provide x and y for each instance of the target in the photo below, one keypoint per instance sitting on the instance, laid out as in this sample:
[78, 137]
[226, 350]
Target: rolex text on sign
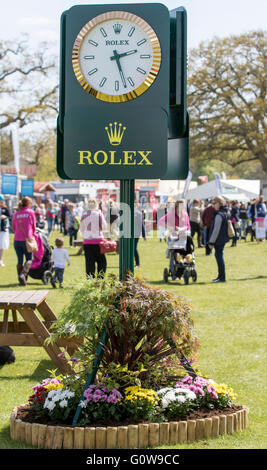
[115, 133]
[115, 147]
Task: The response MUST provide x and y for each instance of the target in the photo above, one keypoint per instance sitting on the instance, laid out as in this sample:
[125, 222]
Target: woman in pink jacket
[177, 219]
[92, 225]
[23, 224]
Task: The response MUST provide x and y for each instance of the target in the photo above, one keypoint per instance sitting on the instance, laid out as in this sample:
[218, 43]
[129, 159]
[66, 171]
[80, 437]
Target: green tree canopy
[227, 100]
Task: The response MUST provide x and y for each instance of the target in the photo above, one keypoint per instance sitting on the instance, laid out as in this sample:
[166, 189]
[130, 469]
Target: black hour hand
[123, 54]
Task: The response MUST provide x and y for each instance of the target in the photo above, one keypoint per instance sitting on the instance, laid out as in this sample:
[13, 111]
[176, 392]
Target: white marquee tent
[240, 190]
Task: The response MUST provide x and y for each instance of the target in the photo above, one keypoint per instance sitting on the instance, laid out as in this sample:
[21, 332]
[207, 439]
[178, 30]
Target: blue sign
[27, 187]
[9, 184]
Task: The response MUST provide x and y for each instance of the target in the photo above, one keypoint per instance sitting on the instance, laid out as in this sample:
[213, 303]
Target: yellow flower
[52, 386]
[225, 390]
[136, 393]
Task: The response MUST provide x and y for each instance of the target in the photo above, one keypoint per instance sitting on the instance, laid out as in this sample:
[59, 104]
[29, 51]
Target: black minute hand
[117, 58]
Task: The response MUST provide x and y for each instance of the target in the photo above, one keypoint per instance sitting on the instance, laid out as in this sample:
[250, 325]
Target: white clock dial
[116, 56]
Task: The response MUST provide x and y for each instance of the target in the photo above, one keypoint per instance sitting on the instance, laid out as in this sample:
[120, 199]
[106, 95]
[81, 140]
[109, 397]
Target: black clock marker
[141, 70]
[92, 71]
[130, 81]
[132, 30]
[103, 32]
[103, 81]
[141, 42]
[117, 85]
[93, 42]
[145, 56]
[89, 57]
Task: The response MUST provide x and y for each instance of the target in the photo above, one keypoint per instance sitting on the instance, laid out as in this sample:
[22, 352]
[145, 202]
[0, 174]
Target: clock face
[116, 56]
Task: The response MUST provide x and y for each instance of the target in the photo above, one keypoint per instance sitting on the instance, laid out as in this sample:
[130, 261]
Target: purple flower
[74, 360]
[112, 399]
[116, 393]
[96, 399]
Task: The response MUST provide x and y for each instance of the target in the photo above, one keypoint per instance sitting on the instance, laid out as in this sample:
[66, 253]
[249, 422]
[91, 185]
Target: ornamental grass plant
[149, 330]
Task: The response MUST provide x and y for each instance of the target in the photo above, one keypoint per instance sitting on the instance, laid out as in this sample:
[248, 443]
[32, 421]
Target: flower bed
[194, 409]
[145, 391]
[139, 435]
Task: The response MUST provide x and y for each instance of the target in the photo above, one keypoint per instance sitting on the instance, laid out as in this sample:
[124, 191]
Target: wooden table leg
[5, 322]
[47, 313]
[15, 320]
[41, 334]
[49, 317]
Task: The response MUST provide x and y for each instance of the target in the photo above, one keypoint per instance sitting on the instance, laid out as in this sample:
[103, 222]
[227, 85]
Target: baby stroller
[182, 259]
[42, 265]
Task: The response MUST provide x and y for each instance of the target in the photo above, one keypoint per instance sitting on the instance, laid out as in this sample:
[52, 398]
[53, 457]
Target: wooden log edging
[126, 437]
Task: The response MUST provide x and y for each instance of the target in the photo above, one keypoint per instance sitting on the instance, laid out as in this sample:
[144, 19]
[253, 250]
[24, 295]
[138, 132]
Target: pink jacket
[91, 227]
[172, 220]
[23, 224]
[38, 255]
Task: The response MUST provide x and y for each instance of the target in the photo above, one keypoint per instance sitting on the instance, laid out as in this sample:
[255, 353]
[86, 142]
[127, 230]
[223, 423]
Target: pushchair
[42, 264]
[182, 259]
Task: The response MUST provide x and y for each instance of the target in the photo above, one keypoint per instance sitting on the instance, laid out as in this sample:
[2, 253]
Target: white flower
[70, 394]
[175, 394]
[63, 403]
[164, 390]
[185, 391]
[46, 403]
[164, 402]
[50, 405]
[83, 404]
[181, 398]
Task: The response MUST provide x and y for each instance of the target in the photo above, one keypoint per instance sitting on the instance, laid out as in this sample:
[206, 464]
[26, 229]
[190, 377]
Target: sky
[205, 18]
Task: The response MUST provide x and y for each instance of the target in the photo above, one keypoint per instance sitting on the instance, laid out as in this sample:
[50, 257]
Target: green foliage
[227, 100]
[146, 325]
[87, 313]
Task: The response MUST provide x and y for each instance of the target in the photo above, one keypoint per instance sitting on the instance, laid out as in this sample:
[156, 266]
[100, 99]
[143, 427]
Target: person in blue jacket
[219, 235]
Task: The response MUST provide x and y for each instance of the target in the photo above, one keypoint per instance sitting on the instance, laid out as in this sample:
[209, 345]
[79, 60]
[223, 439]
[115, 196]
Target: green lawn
[230, 321]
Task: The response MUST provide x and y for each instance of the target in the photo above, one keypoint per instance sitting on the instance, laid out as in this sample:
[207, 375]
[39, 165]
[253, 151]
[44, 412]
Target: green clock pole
[126, 256]
[126, 264]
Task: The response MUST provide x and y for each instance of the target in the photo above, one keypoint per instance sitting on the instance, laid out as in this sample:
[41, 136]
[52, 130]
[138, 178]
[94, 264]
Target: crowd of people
[243, 217]
[206, 221]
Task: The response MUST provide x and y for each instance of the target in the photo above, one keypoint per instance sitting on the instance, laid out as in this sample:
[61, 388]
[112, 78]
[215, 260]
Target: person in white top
[59, 257]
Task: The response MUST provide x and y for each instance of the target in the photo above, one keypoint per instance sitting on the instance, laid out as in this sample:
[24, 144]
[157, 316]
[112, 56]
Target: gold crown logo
[115, 133]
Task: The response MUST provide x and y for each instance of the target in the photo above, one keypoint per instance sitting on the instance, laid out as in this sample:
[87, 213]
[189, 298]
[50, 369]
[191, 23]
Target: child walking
[59, 256]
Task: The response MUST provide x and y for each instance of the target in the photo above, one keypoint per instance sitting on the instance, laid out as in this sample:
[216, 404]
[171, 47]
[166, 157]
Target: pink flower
[187, 380]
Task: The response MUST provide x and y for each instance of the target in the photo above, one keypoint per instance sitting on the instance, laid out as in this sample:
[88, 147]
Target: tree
[28, 83]
[227, 100]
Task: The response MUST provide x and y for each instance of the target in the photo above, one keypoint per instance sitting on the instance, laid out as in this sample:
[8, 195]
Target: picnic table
[32, 331]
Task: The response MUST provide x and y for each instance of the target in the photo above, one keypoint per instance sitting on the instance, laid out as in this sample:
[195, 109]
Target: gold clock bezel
[154, 70]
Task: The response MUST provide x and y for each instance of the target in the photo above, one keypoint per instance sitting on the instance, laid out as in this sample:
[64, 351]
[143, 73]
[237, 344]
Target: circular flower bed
[145, 391]
[126, 436]
[194, 409]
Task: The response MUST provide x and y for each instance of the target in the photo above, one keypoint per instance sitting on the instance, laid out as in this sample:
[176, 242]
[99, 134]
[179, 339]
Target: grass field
[230, 320]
